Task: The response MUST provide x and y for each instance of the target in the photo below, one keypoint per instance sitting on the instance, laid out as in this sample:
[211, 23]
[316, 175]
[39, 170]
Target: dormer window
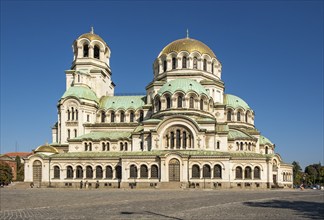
[96, 52]
[85, 50]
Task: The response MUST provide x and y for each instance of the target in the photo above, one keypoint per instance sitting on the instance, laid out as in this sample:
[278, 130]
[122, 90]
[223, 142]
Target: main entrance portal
[174, 170]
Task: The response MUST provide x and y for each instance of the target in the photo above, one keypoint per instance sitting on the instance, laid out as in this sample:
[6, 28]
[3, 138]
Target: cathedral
[185, 132]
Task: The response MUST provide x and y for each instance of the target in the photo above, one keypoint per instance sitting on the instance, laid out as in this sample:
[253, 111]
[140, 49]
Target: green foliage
[314, 174]
[5, 173]
[20, 169]
[297, 174]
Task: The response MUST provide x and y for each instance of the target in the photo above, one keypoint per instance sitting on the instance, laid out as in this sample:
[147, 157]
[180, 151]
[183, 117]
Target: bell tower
[91, 65]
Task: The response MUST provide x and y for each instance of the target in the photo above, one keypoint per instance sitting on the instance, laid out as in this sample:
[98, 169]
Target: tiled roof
[236, 134]
[101, 135]
[122, 102]
[80, 92]
[20, 154]
[184, 85]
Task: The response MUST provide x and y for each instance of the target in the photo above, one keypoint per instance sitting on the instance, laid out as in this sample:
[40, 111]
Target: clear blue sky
[271, 52]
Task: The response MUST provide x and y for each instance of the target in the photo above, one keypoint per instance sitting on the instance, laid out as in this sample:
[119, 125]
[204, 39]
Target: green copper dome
[184, 85]
[235, 102]
[80, 92]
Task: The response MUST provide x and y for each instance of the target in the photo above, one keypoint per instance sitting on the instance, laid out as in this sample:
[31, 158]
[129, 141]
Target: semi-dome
[187, 44]
[46, 149]
[184, 85]
[235, 102]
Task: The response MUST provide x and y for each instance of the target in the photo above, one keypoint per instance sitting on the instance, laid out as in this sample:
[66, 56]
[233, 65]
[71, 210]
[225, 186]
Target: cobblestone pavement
[160, 204]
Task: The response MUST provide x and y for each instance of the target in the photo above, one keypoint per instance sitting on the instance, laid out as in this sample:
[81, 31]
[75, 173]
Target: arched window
[217, 171]
[174, 63]
[238, 116]
[141, 116]
[144, 171]
[72, 110]
[178, 139]
[184, 62]
[157, 104]
[229, 115]
[206, 171]
[164, 65]
[109, 172]
[89, 172]
[108, 146]
[184, 139]
[85, 146]
[241, 146]
[99, 172]
[121, 145]
[122, 117]
[85, 50]
[154, 171]
[103, 147]
[246, 117]
[212, 67]
[79, 172]
[96, 52]
[247, 173]
[168, 101]
[191, 102]
[266, 150]
[90, 146]
[201, 104]
[112, 117]
[103, 116]
[126, 146]
[69, 133]
[131, 116]
[78, 78]
[76, 114]
[133, 171]
[172, 139]
[56, 172]
[69, 114]
[205, 65]
[257, 173]
[180, 101]
[195, 63]
[69, 172]
[238, 173]
[195, 171]
[75, 132]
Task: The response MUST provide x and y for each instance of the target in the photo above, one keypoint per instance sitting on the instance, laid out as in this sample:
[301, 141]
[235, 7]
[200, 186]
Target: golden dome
[46, 149]
[187, 44]
[92, 36]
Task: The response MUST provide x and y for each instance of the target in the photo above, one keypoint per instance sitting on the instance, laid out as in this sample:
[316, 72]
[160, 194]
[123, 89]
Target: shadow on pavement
[313, 210]
[149, 213]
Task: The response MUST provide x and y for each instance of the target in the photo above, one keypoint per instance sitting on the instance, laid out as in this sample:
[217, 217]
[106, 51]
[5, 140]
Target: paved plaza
[49, 203]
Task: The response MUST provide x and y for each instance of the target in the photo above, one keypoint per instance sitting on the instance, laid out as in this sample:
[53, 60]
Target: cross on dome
[92, 30]
[187, 33]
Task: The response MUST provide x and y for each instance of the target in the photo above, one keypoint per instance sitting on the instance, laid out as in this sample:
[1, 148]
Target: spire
[92, 30]
[187, 33]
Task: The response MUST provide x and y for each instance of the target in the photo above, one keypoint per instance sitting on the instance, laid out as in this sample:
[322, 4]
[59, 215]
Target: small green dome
[184, 85]
[264, 140]
[80, 92]
[235, 102]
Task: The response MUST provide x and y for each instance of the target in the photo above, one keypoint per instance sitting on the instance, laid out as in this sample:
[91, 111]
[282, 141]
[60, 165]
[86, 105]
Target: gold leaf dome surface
[46, 149]
[187, 44]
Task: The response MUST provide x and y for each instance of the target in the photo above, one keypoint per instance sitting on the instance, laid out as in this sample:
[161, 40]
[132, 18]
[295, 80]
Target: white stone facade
[185, 132]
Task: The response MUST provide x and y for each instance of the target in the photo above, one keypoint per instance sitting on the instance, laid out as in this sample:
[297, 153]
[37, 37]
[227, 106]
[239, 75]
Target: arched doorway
[174, 170]
[37, 173]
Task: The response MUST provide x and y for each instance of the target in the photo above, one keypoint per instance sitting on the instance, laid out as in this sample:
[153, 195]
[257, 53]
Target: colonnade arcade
[178, 137]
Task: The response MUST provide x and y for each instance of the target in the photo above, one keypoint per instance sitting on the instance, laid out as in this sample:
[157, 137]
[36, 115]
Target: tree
[20, 169]
[314, 173]
[297, 174]
[5, 173]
